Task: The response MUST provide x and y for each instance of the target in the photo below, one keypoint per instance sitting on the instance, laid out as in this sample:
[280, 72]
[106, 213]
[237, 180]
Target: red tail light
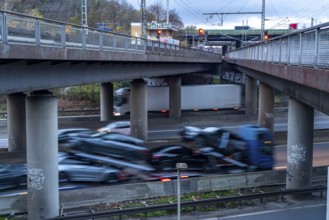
[156, 157]
[121, 177]
[165, 179]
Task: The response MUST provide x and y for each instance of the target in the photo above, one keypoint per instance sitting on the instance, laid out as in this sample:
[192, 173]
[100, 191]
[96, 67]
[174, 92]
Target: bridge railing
[308, 47]
[21, 29]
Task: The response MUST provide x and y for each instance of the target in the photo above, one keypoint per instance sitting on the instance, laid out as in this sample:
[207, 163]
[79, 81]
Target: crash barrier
[73, 198]
[189, 204]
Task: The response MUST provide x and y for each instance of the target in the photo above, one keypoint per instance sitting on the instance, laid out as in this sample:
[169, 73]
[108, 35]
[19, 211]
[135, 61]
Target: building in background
[162, 32]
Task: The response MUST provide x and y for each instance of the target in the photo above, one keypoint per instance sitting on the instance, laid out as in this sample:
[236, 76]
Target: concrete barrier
[118, 193]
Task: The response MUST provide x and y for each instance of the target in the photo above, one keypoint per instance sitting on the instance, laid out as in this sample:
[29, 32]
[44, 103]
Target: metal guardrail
[308, 47]
[239, 198]
[22, 29]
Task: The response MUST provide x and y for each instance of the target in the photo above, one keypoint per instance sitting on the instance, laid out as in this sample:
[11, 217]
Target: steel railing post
[37, 33]
[4, 29]
[316, 45]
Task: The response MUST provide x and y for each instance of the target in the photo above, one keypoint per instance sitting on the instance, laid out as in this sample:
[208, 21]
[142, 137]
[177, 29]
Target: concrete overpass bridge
[296, 64]
[40, 54]
[37, 55]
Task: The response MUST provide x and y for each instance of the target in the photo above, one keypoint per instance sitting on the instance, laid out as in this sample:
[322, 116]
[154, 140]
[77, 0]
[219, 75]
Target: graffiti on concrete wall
[296, 154]
[36, 178]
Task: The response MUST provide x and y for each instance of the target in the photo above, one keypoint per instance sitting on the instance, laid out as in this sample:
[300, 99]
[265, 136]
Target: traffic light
[266, 36]
[201, 32]
[158, 34]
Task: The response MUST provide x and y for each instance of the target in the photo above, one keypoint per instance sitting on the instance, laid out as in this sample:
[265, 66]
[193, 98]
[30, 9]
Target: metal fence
[308, 47]
[21, 29]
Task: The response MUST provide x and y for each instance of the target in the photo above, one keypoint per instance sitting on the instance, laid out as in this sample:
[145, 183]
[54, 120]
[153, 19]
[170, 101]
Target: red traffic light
[158, 34]
[201, 32]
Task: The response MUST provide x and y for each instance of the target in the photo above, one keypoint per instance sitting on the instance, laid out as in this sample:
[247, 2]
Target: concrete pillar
[266, 107]
[175, 84]
[106, 101]
[138, 106]
[42, 155]
[16, 122]
[300, 145]
[251, 96]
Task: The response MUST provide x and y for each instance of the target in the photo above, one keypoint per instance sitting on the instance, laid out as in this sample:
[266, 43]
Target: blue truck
[249, 146]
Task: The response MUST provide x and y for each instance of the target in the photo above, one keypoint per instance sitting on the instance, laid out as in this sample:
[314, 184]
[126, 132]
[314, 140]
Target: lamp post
[179, 167]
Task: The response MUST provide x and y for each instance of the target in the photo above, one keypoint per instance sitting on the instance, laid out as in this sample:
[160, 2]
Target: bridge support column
[300, 145]
[42, 159]
[138, 106]
[266, 107]
[16, 119]
[251, 96]
[106, 101]
[175, 84]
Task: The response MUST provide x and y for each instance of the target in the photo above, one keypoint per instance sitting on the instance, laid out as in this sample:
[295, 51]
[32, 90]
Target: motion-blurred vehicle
[116, 149]
[12, 175]
[76, 169]
[201, 97]
[75, 139]
[65, 135]
[165, 157]
[113, 136]
[251, 144]
[189, 133]
[118, 126]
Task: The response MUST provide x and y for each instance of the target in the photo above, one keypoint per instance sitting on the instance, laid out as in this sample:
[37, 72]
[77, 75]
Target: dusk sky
[278, 13]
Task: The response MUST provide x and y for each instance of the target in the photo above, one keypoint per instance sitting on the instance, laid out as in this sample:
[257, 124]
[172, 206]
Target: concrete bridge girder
[20, 76]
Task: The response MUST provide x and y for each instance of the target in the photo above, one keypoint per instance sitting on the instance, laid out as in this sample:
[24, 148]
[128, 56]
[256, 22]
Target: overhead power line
[221, 14]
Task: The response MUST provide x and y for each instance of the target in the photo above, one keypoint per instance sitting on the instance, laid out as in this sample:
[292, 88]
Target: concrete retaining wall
[117, 193]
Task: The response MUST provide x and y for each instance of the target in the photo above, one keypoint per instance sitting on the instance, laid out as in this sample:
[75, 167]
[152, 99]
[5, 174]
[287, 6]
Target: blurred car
[12, 175]
[224, 142]
[76, 169]
[77, 138]
[113, 136]
[165, 157]
[189, 133]
[116, 149]
[64, 135]
[118, 126]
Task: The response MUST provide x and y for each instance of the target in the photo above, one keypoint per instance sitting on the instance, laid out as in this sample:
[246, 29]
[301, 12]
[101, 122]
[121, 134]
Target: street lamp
[179, 167]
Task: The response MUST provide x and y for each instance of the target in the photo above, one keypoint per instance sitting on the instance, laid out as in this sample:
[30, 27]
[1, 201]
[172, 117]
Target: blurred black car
[76, 169]
[165, 157]
[12, 175]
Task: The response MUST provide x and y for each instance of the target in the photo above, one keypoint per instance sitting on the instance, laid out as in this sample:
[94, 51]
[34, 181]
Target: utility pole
[84, 21]
[167, 12]
[143, 22]
[263, 20]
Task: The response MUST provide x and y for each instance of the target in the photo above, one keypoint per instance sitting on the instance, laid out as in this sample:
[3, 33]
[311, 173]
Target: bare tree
[156, 12]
